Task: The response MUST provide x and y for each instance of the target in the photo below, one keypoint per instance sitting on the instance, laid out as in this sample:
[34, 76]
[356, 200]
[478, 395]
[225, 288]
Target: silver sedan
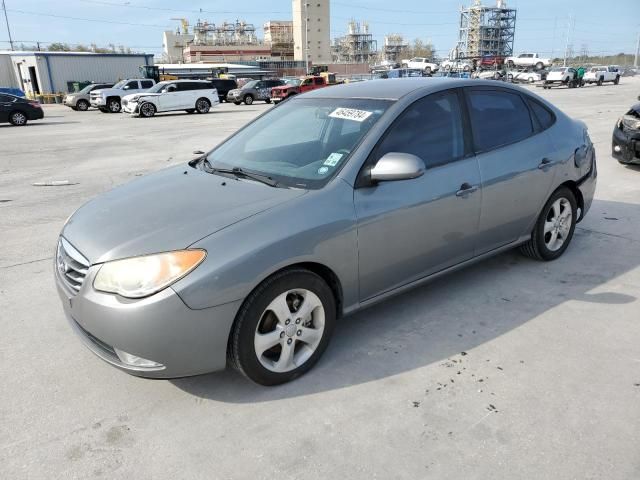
[327, 203]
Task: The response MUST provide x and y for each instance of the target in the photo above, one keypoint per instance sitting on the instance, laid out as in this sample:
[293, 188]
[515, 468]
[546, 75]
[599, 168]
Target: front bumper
[628, 144]
[98, 102]
[69, 102]
[160, 328]
[234, 97]
[130, 107]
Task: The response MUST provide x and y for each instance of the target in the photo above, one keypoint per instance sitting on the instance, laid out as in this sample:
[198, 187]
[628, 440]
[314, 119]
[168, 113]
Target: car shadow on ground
[452, 315]
[33, 123]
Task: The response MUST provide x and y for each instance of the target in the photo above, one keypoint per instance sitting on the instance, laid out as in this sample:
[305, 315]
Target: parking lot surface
[510, 369]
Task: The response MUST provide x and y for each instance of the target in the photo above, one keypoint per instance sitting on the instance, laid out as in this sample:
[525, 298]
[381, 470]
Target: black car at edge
[18, 111]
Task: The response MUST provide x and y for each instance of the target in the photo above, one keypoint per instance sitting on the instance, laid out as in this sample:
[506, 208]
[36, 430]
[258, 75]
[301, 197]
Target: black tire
[221, 99]
[18, 118]
[539, 66]
[203, 105]
[510, 64]
[267, 100]
[617, 80]
[248, 99]
[190, 110]
[147, 110]
[241, 350]
[103, 110]
[75, 109]
[536, 247]
[114, 105]
[600, 81]
[82, 105]
[427, 70]
[237, 103]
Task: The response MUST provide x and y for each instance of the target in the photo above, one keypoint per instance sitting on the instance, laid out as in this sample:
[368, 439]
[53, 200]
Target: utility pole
[635, 61]
[6, 19]
[566, 47]
[306, 35]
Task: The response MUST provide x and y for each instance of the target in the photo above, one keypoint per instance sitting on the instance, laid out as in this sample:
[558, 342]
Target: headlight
[135, 99]
[139, 277]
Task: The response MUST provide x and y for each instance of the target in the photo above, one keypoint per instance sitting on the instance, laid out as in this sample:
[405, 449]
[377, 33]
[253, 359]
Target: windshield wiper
[239, 172]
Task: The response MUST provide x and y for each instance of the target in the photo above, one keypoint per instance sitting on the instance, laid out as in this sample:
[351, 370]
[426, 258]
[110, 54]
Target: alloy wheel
[290, 330]
[202, 106]
[18, 118]
[557, 225]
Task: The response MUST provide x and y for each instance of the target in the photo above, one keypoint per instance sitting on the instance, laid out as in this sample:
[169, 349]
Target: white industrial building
[311, 31]
[50, 72]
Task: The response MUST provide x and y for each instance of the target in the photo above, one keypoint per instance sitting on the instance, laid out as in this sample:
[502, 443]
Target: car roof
[396, 88]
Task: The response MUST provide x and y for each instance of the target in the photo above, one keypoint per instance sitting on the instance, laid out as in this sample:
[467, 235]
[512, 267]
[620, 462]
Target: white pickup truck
[110, 99]
[601, 74]
[528, 60]
[421, 63]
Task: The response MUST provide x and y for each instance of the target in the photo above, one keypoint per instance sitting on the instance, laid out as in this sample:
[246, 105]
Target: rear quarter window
[541, 113]
[146, 83]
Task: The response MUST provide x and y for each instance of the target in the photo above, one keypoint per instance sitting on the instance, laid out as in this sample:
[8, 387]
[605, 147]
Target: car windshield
[157, 87]
[120, 84]
[293, 82]
[301, 143]
[250, 84]
[87, 89]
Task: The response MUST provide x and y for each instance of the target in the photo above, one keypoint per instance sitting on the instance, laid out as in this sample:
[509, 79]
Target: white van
[189, 95]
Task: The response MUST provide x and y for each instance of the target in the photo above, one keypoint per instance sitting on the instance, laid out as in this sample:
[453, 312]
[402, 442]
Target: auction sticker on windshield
[333, 159]
[351, 114]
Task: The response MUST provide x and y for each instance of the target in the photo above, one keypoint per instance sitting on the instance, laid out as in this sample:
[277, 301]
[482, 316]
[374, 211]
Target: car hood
[140, 94]
[167, 210]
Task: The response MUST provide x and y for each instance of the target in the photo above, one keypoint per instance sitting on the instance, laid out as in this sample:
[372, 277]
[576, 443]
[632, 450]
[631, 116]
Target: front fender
[318, 227]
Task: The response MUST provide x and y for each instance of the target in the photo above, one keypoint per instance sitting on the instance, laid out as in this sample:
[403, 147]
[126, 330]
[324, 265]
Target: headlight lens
[139, 277]
[135, 99]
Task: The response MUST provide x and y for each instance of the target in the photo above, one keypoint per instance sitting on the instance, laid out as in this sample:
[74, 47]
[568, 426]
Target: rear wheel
[600, 81]
[237, 103]
[283, 327]
[539, 66]
[18, 118]
[617, 80]
[427, 70]
[147, 109]
[554, 228]
[203, 105]
[190, 110]
[82, 105]
[248, 99]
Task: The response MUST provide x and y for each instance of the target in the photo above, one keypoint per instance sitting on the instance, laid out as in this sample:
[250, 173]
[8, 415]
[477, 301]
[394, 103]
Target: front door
[412, 228]
[517, 165]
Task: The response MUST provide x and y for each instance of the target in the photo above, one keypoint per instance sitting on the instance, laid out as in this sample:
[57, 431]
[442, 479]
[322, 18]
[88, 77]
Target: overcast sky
[600, 26]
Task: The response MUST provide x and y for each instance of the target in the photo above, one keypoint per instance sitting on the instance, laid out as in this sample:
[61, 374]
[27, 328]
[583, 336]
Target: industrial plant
[486, 30]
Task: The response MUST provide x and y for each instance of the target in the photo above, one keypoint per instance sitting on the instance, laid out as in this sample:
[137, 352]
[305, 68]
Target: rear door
[6, 105]
[412, 228]
[517, 164]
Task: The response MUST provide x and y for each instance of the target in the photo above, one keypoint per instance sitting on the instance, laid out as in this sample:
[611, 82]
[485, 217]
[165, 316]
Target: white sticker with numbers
[351, 114]
[333, 159]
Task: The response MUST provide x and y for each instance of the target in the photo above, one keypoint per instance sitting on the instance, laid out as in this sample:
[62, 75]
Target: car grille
[71, 266]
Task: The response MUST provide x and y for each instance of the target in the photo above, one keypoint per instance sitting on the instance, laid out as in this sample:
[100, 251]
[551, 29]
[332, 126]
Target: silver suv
[252, 91]
[81, 100]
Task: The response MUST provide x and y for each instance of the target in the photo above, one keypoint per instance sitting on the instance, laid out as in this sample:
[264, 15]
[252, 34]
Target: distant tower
[311, 31]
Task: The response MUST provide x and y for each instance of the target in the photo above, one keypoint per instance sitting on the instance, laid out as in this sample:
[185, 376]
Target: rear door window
[498, 118]
[146, 84]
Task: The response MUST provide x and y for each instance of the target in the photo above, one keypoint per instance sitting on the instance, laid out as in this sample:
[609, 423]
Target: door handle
[466, 189]
[545, 163]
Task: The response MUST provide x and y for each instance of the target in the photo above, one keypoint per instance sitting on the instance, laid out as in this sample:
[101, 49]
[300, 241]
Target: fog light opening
[135, 361]
[617, 149]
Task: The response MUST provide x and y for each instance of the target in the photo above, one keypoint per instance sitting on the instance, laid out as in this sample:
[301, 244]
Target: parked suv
[561, 76]
[190, 95]
[223, 86]
[253, 90]
[81, 100]
[110, 99]
[601, 74]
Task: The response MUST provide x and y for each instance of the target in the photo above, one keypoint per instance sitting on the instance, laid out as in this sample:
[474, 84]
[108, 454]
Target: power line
[6, 18]
[175, 10]
[97, 20]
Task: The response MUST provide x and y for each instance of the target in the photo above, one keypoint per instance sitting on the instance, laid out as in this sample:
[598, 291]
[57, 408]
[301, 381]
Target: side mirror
[397, 166]
[126, 87]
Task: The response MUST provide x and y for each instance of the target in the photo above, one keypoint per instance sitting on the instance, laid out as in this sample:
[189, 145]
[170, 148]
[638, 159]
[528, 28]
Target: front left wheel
[554, 228]
[283, 327]
[147, 110]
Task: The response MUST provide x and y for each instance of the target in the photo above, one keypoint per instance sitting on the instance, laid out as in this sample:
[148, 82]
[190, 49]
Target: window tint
[132, 84]
[498, 118]
[543, 115]
[186, 86]
[430, 128]
[146, 83]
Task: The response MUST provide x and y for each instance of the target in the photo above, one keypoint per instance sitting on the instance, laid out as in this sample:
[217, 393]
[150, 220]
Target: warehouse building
[52, 72]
